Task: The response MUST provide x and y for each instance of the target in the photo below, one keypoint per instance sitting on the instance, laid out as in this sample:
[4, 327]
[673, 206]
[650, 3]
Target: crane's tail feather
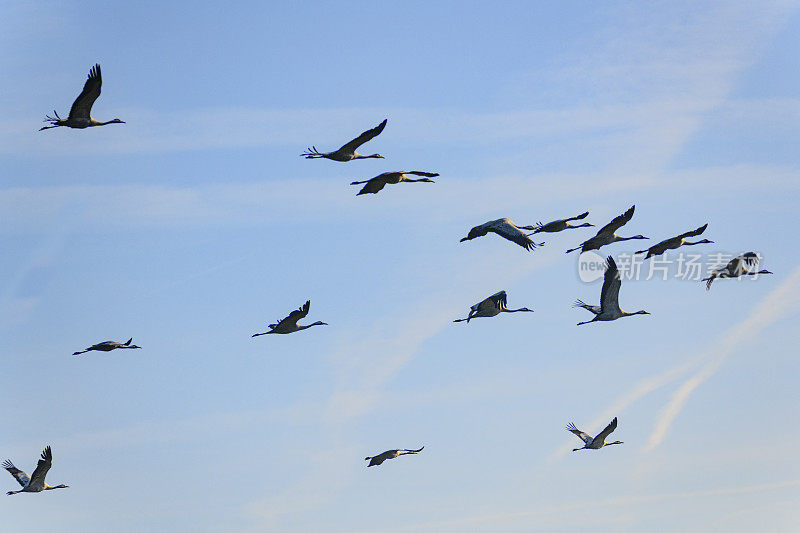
[311, 153]
[532, 245]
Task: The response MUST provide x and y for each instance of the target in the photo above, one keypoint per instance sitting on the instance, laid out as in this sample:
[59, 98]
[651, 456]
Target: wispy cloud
[549, 517]
[210, 128]
[32, 209]
[14, 308]
[781, 302]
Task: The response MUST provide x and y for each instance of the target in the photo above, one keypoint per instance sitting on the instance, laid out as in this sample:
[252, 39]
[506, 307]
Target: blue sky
[196, 223]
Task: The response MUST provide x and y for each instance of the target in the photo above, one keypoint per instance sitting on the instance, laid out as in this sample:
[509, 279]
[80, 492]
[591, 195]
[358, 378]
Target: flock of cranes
[609, 309]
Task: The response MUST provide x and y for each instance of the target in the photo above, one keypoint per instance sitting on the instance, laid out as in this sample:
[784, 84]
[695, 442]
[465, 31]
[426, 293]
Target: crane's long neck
[754, 273]
[624, 313]
[56, 487]
[113, 121]
[311, 325]
[617, 238]
[516, 310]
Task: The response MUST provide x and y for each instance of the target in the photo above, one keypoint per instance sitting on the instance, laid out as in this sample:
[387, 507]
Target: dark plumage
[35, 482]
[506, 229]
[389, 454]
[80, 113]
[491, 306]
[607, 233]
[561, 225]
[743, 265]
[348, 151]
[594, 443]
[289, 324]
[609, 297]
[107, 346]
[381, 180]
[676, 242]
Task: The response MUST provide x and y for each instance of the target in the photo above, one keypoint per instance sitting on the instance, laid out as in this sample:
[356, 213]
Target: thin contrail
[775, 306]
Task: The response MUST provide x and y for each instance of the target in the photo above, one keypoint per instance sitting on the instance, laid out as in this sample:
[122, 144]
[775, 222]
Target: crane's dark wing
[618, 222]
[609, 295]
[499, 299]
[746, 263]
[378, 459]
[105, 344]
[82, 106]
[579, 217]
[296, 315]
[693, 233]
[709, 280]
[42, 467]
[495, 301]
[513, 233]
[412, 451]
[373, 185]
[601, 437]
[421, 173]
[364, 137]
[585, 437]
[21, 477]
